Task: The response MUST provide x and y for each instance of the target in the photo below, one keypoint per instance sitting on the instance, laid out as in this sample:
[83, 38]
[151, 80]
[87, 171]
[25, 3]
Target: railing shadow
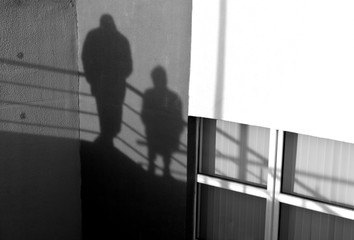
[131, 88]
[120, 197]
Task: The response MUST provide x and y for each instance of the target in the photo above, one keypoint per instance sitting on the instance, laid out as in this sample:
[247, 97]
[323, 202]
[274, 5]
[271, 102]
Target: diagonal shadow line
[317, 176]
[259, 177]
[40, 67]
[45, 88]
[316, 196]
[325, 208]
[47, 126]
[57, 70]
[73, 111]
[76, 111]
[81, 112]
[231, 138]
[308, 189]
[30, 104]
[319, 198]
[297, 181]
[303, 173]
[67, 128]
[143, 143]
[237, 160]
[136, 112]
[64, 71]
[131, 147]
[75, 129]
[181, 174]
[133, 130]
[87, 131]
[27, 104]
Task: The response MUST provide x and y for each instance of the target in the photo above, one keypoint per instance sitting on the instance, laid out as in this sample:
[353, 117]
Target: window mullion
[277, 184]
[270, 184]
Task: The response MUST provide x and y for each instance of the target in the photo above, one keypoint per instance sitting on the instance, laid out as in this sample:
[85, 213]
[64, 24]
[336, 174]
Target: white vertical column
[277, 185]
[270, 183]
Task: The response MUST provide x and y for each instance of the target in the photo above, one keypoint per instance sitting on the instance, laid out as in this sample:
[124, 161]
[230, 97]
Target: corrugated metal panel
[324, 170]
[229, 215]
[242, 152]
[302, 224]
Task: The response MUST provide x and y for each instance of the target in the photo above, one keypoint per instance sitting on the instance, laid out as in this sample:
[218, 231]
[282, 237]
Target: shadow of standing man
[162, 117]
[107, 62]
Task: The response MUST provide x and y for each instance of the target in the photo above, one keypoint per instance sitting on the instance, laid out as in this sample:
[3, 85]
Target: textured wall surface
[158, 32]
[39, 147]
[125, 189]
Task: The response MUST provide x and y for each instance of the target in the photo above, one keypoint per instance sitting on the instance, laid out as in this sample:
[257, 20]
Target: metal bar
[270, 183]
[277, 185]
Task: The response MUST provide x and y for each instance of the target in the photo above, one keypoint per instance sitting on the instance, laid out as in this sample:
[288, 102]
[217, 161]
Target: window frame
[272, 193]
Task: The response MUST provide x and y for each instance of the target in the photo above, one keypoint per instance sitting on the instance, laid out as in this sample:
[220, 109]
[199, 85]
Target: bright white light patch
[288, 65]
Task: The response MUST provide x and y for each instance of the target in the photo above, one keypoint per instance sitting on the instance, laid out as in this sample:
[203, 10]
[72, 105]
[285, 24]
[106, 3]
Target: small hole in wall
[22, 115]
[20, 55]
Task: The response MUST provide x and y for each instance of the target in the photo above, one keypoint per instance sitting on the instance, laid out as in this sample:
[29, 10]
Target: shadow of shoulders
[120, 198]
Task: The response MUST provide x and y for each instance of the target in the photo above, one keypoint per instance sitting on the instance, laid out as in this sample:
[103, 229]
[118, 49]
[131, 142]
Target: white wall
[286, 65]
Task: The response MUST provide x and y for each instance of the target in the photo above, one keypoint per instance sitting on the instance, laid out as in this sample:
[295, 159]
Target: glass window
[257, 183]
[318, 168]
[235, 151]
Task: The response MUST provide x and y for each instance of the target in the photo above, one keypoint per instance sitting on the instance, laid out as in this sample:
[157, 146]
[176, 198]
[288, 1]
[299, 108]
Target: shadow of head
[107, 22]
[159, 77]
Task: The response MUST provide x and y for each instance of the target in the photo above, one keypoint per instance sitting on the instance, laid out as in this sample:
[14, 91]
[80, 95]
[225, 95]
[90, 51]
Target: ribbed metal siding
[228, 215]
[324, 170]
[242, 152]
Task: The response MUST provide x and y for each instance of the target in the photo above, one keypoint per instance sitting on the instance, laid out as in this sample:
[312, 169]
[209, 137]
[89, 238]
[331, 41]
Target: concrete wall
[39, 146]
[125, 191]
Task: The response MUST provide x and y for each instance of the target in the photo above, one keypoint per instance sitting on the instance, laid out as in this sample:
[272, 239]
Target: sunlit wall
[158, 32]
[285, 65]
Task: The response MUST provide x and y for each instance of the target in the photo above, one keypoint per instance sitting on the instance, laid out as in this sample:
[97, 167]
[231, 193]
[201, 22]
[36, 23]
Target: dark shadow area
[107, 62]
[151, 195]
[39, 189]
[162, 117]
[121, 200]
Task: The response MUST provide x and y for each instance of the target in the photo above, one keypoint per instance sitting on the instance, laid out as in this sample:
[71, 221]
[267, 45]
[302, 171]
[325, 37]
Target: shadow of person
[107, 62]
[162, 117]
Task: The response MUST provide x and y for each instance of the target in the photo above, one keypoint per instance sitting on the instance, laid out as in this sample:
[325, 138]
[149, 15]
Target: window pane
[235, 151]
[319, 168]
[229, 215]
[302, 224]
